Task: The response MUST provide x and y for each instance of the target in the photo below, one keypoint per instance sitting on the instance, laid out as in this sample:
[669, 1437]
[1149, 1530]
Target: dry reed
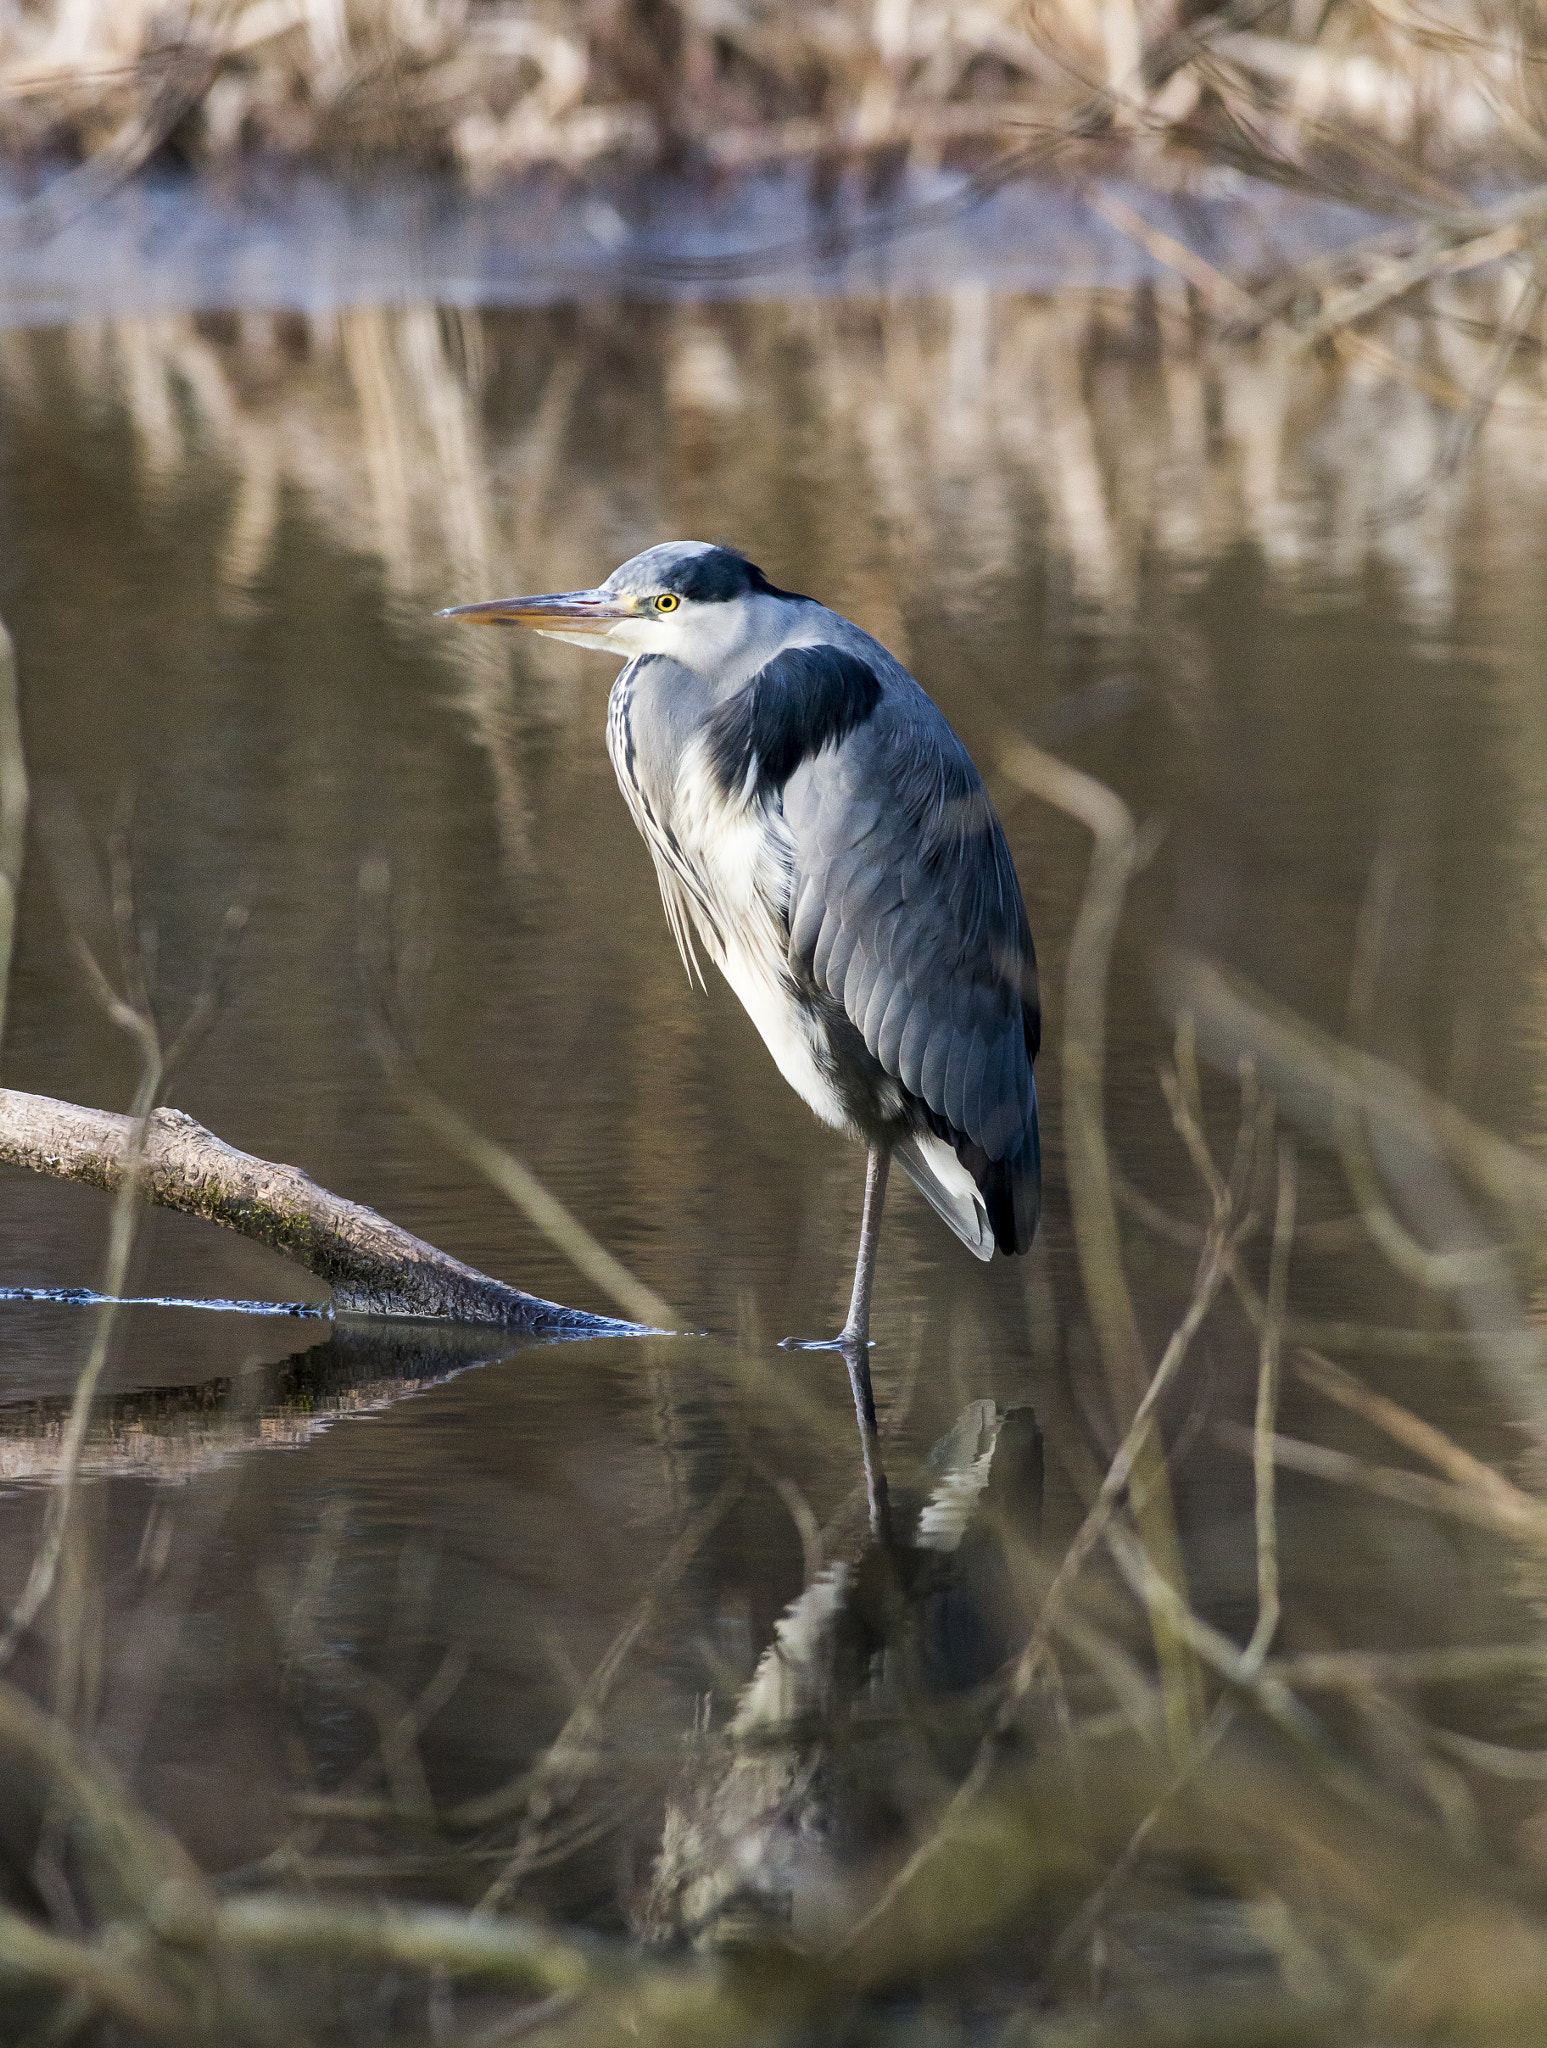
[1390, 93]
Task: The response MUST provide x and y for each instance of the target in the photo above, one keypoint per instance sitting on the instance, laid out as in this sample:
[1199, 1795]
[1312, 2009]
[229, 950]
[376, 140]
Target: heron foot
[844, 1342]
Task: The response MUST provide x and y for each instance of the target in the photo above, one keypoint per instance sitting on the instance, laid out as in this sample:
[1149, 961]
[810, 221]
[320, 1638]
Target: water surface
[1176, 567]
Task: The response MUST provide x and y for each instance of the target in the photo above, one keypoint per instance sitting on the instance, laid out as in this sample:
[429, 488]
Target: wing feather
[908, 913]
[889, 1032]
[915, 1036]
[829, 932]
[846, 938]
[957, 1067]
[806, 914]
[937, 1062]
[860, 978]
[882, 990]
[999, 1111]
[974, 1116]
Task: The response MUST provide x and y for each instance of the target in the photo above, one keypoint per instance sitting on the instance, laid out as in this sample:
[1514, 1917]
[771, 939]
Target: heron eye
[667, 602]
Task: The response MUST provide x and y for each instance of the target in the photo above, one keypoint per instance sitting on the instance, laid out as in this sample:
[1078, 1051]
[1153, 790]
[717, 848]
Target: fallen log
[372, 1265]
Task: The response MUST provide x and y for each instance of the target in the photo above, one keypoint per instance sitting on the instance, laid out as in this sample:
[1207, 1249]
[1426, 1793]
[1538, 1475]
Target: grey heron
[820, 831]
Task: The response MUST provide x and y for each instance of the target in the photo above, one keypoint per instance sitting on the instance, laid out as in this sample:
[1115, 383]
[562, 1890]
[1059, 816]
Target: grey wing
[904, 907]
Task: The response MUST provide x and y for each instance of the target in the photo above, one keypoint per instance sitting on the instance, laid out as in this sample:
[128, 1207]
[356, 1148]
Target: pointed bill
[585, 616]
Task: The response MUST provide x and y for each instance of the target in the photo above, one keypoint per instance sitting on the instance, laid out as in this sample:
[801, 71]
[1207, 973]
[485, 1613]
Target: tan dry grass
[495, 86]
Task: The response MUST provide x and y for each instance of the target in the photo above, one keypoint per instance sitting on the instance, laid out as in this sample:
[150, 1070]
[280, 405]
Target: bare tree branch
[373, 1266]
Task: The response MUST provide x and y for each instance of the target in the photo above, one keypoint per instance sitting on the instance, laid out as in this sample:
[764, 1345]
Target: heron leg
[854, 1339]
[869, 1443]
[855, 1334]
[856, 1331]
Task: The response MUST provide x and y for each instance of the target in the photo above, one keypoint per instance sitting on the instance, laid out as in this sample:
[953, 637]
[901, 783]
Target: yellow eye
[667, 602]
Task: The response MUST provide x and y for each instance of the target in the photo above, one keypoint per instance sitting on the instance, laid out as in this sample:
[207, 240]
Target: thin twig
[1117, 855]
[1392, 280]
[1523, 1520]
[1259, 1683]
[1497, 1759]
[13, 811]
[1461, 1664]
[121, 1234]
[1269, 1369]
[800, 1512]
[102, 1980]
[498, 1166]
[1120, 852]
[412, 1937]
[1308, 1071]
[1221, 292]
[1441, 1271]
[1465, 429]
[1255, 1653]
[568, 1755]
[1051, 1612]
[1411, 1430]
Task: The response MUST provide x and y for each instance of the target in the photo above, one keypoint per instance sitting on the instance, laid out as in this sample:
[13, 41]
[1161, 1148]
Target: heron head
[703, 605]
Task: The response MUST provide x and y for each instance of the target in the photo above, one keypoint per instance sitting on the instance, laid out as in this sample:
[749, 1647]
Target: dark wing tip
[1012, 1194]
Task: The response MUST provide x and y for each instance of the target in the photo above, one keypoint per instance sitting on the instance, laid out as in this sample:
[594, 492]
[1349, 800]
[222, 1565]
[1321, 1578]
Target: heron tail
[989, 1203]
[948, 1188]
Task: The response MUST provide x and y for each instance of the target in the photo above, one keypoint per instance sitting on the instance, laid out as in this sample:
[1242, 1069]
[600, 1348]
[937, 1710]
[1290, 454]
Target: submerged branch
[373, 1266]
[1306, 1069]
[410, 1937]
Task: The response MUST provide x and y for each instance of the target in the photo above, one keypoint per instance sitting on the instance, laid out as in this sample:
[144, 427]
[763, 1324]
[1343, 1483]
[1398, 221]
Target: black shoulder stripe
[805, 699]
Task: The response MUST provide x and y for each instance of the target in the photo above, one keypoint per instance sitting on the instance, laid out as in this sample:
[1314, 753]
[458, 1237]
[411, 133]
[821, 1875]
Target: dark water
[222, 541]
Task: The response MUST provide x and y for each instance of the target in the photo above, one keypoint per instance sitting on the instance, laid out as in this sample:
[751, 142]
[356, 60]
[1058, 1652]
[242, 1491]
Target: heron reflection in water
[821, 832]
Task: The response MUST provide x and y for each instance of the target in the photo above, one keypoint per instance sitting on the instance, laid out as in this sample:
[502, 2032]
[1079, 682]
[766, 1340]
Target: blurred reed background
[1378, 87]
[453, 451]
